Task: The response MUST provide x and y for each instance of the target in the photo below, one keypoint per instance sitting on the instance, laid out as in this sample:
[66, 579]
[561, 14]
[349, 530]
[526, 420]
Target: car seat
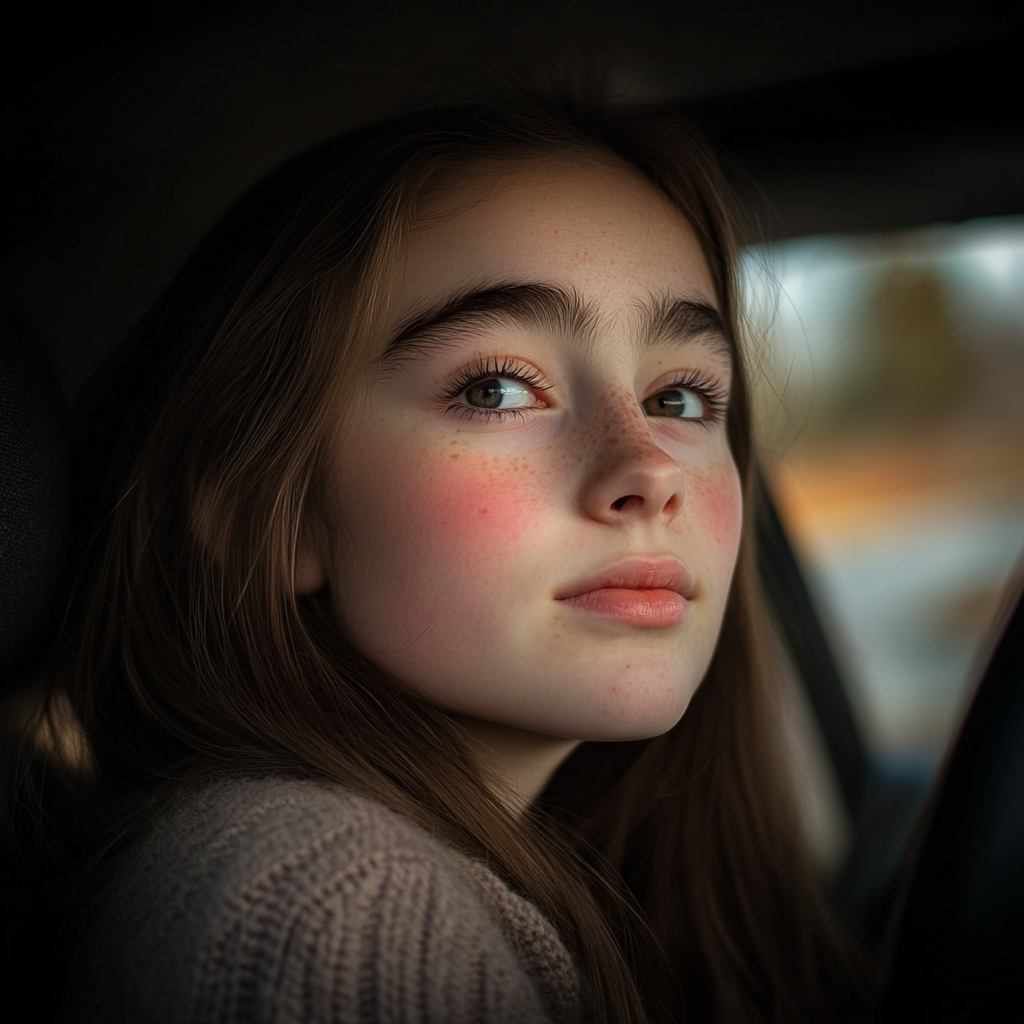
[33, 502]
[956, 948]
[33, 545]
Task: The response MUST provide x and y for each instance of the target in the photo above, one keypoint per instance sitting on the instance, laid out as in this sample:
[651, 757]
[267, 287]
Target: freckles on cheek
[476, 502]
[717, 499]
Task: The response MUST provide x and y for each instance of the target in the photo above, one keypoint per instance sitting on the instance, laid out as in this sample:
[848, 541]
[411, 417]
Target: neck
[519, 762]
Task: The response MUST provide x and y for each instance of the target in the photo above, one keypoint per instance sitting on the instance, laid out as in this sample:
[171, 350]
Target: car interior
[874, 127]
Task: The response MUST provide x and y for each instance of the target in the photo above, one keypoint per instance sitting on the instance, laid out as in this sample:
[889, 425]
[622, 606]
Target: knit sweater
[279, 900]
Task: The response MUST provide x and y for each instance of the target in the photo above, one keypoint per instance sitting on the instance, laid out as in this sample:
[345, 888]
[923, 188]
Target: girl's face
[533, 513]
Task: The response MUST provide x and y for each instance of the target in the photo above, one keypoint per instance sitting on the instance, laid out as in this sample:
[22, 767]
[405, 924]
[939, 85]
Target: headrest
[33, 501]
[116, 409]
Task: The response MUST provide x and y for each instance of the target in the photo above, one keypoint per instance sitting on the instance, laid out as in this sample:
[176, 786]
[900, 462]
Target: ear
[310, 570]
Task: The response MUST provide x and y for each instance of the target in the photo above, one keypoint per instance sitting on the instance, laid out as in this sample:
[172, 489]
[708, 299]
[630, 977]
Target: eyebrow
[548, 307]
[666, 320]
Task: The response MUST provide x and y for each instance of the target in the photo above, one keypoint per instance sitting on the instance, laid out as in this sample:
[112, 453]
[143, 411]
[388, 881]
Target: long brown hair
[193, 655]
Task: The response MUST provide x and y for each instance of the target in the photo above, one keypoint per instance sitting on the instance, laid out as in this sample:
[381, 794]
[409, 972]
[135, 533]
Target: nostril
[674, 504]
[620, 503]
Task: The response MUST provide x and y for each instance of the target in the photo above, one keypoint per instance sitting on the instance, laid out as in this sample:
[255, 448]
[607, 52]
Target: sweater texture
[263, 900]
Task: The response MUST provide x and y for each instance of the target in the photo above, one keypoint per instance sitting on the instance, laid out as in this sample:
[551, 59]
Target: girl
[423, 677]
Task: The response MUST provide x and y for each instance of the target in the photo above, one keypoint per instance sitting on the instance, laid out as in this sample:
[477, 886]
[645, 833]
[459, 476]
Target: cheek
[471, 504]
[436, 531]
[449, 543]
[716, 499]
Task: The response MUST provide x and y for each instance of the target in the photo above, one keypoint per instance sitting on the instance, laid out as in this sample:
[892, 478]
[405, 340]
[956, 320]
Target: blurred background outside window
[891, 409]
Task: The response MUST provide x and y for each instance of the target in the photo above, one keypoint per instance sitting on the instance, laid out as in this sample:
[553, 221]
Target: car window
[891, 406]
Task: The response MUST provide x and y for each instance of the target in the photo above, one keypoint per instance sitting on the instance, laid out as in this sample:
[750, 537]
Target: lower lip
[636, 607]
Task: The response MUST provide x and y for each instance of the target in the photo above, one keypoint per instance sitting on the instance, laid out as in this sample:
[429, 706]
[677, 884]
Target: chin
[629, 725]
[636, 708]
[641, 700]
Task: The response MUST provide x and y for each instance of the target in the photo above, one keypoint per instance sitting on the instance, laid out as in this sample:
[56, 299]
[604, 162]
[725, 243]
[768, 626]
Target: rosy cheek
[717, 500]
[477, 503]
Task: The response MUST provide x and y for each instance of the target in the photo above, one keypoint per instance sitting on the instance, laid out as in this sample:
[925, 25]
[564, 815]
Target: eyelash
[715, 395]
[484, 370]
[711, 391]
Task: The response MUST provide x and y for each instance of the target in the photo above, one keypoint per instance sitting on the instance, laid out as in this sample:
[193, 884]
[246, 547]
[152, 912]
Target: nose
[632, 477]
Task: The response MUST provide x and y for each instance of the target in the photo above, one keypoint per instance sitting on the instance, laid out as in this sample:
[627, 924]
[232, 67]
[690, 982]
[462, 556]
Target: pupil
[485, 395]
[671, 402]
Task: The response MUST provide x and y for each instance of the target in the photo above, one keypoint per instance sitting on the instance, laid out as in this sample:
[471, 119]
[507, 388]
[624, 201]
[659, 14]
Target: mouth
[637, 592]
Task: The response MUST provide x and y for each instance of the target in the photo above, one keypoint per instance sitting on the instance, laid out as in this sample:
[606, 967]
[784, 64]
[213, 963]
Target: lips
[637, 592]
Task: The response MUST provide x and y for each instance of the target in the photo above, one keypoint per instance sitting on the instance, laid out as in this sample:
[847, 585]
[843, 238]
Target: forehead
[582, 222]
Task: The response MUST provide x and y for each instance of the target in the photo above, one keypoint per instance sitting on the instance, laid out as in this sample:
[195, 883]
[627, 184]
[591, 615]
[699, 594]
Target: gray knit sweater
[277, 900]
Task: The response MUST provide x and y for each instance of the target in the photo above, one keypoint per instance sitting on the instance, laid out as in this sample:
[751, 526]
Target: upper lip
[636, 574]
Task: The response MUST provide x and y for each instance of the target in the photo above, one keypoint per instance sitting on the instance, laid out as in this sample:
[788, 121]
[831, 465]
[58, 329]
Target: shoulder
[271, 899]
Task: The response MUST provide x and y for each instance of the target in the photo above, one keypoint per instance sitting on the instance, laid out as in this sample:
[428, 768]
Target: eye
[498, 393]
[495, 389]
[682, 403]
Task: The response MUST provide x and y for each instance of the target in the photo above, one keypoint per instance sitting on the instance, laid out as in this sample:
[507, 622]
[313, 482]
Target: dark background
[128, 131]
